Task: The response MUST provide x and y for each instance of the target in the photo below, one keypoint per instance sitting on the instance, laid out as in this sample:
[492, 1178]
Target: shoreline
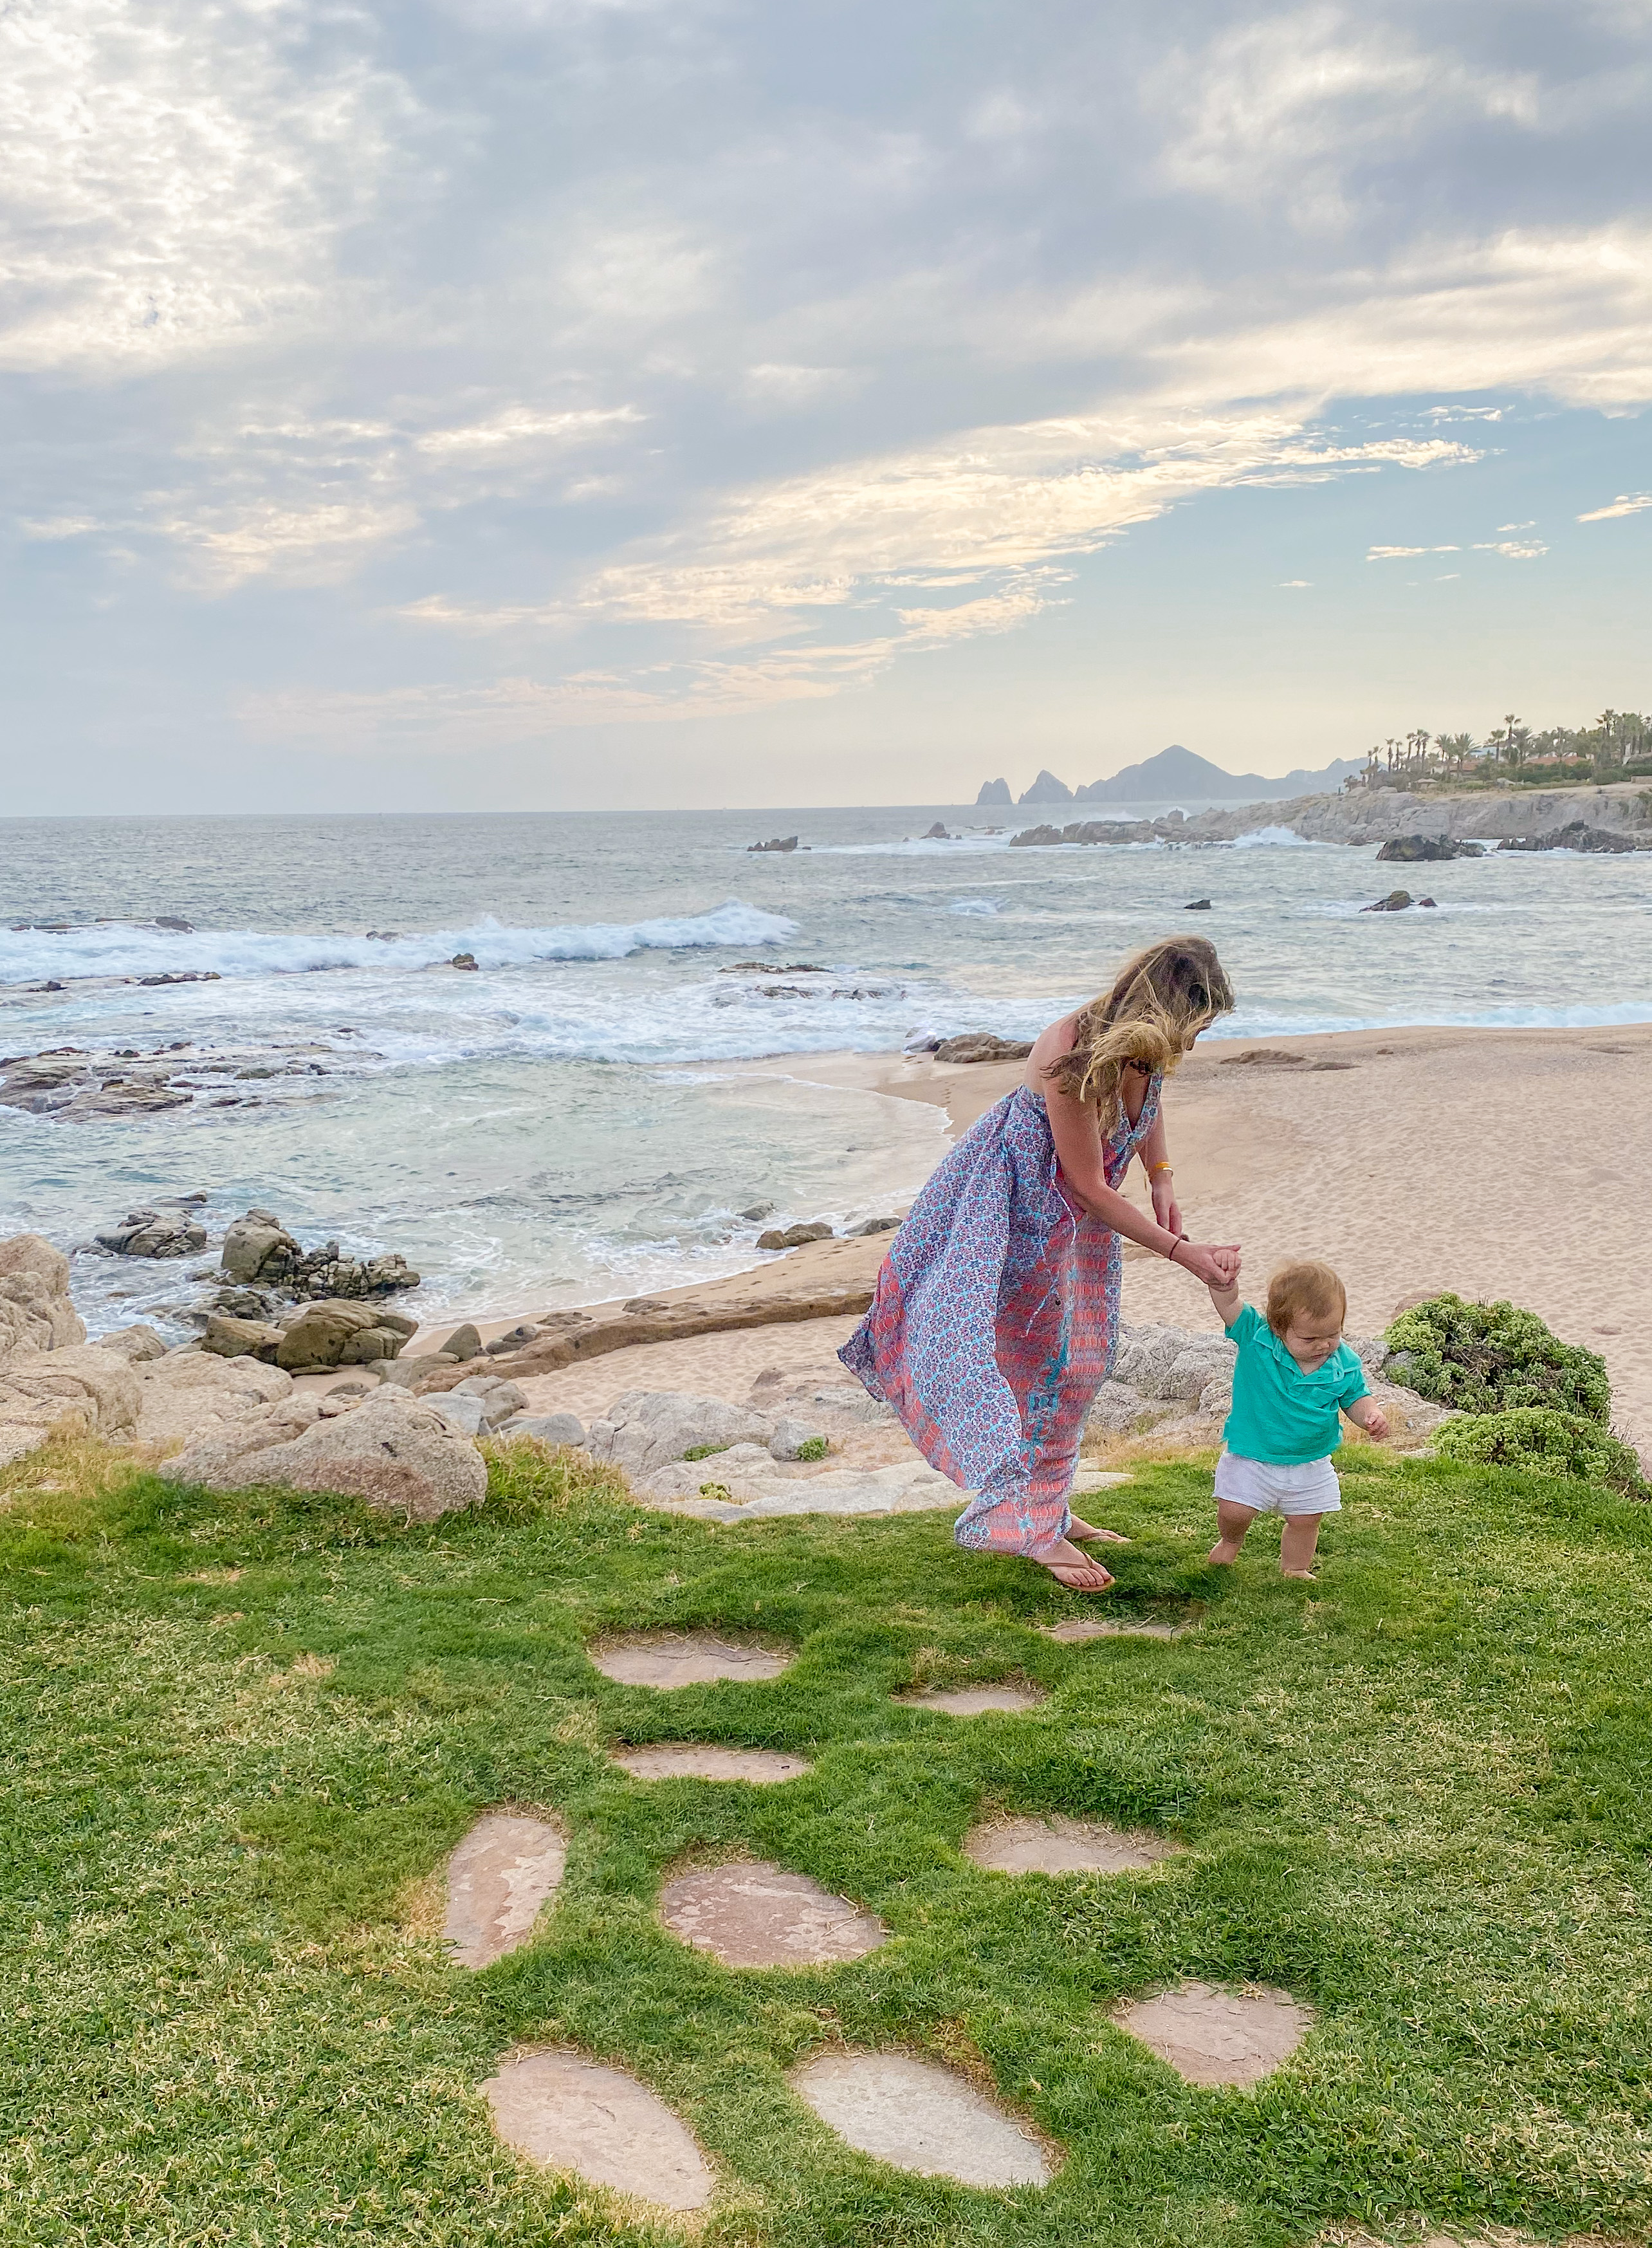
[1493, 1162]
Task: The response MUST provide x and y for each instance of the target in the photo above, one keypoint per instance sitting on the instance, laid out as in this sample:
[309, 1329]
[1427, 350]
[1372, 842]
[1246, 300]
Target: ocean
[561, 1126]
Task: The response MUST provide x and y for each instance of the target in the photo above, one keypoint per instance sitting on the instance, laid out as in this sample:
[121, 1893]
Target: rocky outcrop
[78, 1390]
[259, 1252]
[1395, 901]
[331, 1334]
[187, 1397]
[154, 1233]
[1096, 831]
[1576, 835]
[1405, 850]
[389, 1450]
[995, 794]
[136, 1344]
[1047, 790]
[775, 843]
[36, 1310]
[982, 1045]
[482, 1403]
[646, 1431]
[795, 1236]
[576, 1336]
[1373, 815]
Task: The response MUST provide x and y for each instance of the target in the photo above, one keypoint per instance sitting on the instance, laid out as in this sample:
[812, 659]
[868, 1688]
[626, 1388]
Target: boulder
[1395, 901]
[775, 843]
[1036, 835]
[794, 1237]
[1576, 835]
[983, 1045]
[481, 1404]
[134, 1344]
[502, 1344]
[1408, 849]
[463, 1343]
[253, 1242]
[318, 1338]
[36, 1310]
[227, 1338]
[188, 1396]
[390, 1450]
[789, 1436]
[877, 1225]
[80, 1390]
[649, 1429]
[544, 1428]
[154, 1233]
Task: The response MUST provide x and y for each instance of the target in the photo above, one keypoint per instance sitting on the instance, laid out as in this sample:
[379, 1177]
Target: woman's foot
[1074, 1570]
[1077, 1529]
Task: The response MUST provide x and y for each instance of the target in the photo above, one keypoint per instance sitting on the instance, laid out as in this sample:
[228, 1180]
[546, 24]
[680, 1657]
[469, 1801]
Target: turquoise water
[555, 1128]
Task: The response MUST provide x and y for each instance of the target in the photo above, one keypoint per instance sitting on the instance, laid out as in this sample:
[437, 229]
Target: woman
[997, 1311]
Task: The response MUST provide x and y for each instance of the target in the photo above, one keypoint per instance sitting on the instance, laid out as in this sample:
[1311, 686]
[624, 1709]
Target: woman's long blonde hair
[1159, 1003]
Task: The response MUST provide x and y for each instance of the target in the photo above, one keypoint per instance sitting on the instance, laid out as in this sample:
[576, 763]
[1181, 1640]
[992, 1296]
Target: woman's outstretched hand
[1218, 1268]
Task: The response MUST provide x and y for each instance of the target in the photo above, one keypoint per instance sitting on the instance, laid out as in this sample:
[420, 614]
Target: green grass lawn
[242, 1732]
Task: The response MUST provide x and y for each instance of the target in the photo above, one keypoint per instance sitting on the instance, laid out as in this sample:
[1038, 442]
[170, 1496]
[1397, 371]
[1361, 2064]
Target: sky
[526, 404]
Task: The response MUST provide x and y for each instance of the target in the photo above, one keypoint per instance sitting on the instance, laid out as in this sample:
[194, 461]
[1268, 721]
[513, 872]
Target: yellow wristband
[1157, 1167]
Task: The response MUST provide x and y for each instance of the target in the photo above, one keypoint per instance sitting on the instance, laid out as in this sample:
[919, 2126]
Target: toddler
[1293, 1375]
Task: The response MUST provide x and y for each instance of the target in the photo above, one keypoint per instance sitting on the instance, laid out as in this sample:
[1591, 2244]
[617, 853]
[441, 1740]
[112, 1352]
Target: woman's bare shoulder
[1049, 1046]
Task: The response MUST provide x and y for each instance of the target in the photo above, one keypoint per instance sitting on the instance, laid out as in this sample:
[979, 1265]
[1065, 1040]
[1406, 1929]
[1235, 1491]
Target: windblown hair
[1159, 1003]
[1306, 1290]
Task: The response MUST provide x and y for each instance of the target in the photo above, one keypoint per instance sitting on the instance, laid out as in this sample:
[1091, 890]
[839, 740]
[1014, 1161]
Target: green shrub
[1490, 1358]
[704, 1451]
[1544, 1442]
[812, 1448]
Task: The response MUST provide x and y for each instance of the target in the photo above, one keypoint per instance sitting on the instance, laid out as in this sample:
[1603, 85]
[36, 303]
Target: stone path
[919, 2116]
[499, 1878]
[697, 1760]
[1062, 1846]
[1214, 2037]
[668, 1659]
[974, 1701]
[760, 1915]
[566, 2113]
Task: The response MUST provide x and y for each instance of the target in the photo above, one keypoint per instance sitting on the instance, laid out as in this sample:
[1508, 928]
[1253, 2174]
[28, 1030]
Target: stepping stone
[498, 1878]
[921, 2116]
[974, 1701]
[693, 1760]
[1062, 1846]
[566, 2113]
[1218, 2037]
[668, 1659]
[1076, 1629]
[762, 1916]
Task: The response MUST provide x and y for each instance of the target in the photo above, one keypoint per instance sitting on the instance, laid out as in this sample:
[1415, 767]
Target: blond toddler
[1294, 1377]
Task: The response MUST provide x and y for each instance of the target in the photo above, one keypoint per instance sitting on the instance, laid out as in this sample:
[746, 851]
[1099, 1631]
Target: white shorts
[1273, 1488]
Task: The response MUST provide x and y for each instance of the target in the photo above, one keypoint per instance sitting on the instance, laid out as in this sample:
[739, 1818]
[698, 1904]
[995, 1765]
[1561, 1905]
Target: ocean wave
[121, 949]
[979, 908]
[1271, 839]
[914, 846]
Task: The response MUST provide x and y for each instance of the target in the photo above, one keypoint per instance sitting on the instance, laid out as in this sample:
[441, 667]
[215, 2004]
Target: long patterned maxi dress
[995, 1319]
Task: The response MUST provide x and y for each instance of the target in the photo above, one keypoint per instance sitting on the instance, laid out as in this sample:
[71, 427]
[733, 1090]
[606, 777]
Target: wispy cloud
[1625, 504]
[1404, 554]
[1513, 550]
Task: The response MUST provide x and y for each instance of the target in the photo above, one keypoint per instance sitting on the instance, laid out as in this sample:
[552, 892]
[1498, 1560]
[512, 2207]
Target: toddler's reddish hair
[1305, 1289]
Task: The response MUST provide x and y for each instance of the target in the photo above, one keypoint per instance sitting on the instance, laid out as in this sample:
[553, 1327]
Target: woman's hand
[1216, 1267]
[1164, 1203]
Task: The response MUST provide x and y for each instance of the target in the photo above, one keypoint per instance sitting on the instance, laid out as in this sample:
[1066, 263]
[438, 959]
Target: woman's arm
[1078, 1147]
[1155, 1161]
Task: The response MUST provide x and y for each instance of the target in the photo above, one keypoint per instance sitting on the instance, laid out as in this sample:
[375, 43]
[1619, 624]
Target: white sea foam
[981, 908]
[128, 948]
[1271, 839]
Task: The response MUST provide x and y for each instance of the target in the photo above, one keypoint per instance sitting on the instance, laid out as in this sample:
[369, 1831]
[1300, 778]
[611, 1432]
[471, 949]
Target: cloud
[1625, 504]
[1404, 554]
[1514, 549]
[1295, 585]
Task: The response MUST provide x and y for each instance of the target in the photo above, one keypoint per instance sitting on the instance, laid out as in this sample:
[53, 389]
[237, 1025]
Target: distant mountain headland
[1174, 772]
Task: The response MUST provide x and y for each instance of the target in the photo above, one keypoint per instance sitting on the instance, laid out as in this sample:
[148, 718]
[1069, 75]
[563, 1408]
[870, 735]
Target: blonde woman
[997, 1311]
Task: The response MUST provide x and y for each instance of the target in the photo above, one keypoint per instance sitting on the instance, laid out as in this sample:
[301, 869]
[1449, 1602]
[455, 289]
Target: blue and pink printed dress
[995, 1319]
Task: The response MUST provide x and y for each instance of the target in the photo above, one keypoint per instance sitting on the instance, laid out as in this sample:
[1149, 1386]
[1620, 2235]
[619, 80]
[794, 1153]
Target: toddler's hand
[1376, 1425]
[1218, 1268]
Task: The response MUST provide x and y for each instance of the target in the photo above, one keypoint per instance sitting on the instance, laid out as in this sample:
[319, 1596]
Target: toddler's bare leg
[1232, 1520]
[1298, 1542]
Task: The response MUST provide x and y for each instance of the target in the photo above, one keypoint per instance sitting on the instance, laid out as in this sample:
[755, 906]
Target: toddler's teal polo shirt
[1281, 1414]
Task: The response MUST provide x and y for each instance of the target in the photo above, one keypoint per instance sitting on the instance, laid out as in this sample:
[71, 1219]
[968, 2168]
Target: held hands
[1216, 1267]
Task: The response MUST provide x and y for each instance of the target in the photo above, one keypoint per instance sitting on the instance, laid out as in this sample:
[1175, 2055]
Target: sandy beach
[1496, 1163]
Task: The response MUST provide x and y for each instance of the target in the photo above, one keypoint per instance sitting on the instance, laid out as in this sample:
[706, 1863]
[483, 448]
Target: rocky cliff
[1374, 815]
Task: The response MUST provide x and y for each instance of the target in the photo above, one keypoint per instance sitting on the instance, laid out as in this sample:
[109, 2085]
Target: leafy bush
[1490, 1358]
[1544, 1442]
[812, 1448]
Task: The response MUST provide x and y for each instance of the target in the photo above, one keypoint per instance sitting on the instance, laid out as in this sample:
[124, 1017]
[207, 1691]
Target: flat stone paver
[695, 1760]
[974, 1701]
[760, 1915]
[1076, 1629]
[920, 2115]
[566, 2113]
[1218, 2037]
[1062, 1846]
[668, 1659]
[499, 1878]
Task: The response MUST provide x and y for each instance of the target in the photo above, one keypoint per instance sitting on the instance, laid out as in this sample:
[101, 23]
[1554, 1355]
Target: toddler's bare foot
[1302, 1576]
[1070, 1567]
[1223, 1552]
[1076, 1528]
